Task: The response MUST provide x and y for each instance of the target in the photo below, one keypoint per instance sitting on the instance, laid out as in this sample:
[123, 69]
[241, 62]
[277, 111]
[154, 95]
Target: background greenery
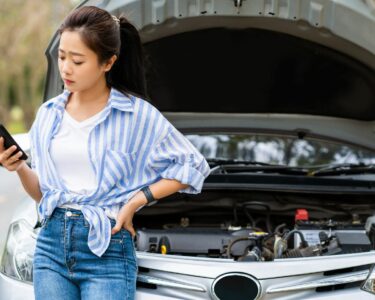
[26, 27]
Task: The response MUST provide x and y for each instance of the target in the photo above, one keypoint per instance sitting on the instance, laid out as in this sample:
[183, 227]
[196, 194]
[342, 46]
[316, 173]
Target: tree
[26, 29]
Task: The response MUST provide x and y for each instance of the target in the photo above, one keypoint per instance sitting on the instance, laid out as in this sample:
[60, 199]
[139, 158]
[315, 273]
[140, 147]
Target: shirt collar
[116, 100]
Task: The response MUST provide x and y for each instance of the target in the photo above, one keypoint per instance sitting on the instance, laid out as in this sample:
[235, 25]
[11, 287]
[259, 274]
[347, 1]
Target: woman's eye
[61, 58]
[78, 63]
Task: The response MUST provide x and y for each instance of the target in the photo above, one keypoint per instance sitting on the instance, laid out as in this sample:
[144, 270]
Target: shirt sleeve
[175, 157]
[32, 152]
[32, 139]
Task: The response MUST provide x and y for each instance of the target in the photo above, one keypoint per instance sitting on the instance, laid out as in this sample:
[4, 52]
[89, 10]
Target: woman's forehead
[72, 43]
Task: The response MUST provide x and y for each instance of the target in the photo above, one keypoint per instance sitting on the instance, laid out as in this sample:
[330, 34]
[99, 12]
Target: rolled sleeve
[176, 158]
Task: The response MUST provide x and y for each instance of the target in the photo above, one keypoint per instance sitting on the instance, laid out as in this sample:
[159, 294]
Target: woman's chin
[71, 89]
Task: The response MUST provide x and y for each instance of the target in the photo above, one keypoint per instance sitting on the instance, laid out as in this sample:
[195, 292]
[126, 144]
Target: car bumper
[11, 289]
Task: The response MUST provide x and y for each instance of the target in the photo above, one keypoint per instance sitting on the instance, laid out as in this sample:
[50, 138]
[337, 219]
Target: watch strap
[150, 198]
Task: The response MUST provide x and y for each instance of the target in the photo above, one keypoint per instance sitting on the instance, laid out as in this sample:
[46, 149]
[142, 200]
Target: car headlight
[369, 284]
[17, 261]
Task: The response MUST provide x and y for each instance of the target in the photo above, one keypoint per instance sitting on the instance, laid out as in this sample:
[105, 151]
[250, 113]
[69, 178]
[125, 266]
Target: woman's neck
[96, 95]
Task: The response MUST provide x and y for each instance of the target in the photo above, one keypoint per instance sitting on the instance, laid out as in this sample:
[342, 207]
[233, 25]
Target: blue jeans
[65, 268]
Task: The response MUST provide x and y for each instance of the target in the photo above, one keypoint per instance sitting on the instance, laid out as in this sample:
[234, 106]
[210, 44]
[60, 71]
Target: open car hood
[288, 60]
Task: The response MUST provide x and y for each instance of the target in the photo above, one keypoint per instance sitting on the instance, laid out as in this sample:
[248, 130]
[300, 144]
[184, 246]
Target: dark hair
[106, 37]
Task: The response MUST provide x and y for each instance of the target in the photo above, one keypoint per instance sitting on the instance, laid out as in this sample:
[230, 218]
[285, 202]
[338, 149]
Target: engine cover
[198, 241]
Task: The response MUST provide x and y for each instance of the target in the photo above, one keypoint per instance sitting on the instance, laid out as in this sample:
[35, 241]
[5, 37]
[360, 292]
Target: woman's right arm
[28, 177]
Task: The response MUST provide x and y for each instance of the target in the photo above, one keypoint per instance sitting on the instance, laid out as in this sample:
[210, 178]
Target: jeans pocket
[114, 250]
[116, 238]
[123, 238]
[128, 244]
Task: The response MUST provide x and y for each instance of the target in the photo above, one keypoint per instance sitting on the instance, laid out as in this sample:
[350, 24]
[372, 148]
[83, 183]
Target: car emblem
[239, 286]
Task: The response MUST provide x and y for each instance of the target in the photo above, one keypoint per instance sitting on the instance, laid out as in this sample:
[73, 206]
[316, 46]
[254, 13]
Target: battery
[350, 241]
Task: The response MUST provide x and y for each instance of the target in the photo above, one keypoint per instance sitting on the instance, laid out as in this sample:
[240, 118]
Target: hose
[241, 238]
[303, 241]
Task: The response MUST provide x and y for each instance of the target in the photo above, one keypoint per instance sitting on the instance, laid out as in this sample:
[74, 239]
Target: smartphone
[9, 141]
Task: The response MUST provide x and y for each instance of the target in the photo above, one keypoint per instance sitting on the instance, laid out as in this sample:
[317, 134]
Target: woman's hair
[106, 37]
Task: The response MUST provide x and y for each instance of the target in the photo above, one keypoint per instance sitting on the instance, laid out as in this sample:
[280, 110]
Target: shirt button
[68, 213]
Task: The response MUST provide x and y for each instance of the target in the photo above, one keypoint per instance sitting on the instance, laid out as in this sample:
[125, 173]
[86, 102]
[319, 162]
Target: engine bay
[277, 227]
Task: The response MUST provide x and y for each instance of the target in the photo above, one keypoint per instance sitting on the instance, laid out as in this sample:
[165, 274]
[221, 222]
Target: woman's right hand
[9, 161]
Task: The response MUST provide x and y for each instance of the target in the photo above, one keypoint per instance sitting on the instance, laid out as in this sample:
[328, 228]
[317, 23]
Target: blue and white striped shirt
[131, 145]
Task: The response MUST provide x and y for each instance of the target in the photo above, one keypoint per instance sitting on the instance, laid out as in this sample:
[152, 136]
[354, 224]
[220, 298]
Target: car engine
[299, 236]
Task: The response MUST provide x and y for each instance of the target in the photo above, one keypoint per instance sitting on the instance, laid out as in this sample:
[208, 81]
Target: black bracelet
[150, 198]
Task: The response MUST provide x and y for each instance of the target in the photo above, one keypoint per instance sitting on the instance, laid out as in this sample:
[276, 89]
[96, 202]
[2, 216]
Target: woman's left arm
[159, 189]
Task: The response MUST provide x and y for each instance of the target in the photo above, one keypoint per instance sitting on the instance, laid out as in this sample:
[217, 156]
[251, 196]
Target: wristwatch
[150, 198]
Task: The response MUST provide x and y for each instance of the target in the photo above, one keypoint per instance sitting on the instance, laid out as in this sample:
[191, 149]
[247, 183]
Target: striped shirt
[131, 146]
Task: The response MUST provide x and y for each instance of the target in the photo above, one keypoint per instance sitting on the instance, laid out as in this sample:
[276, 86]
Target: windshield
[280, 150]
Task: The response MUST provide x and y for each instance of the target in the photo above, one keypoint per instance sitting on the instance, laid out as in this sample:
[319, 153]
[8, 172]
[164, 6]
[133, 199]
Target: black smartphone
[9, 141]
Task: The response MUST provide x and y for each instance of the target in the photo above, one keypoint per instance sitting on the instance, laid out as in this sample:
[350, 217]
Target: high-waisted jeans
[64, 268]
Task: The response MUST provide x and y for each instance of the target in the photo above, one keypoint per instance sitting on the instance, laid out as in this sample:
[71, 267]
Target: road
[11, 192]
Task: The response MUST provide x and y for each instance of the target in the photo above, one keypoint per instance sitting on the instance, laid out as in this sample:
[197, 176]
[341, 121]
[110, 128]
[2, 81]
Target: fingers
[15, 166]
[131, 230]
[10, 162]
[128, 227]
[7, 153]
[124, 220]
[116, 228]
[15, 157]
[118, 225]
[7, 159]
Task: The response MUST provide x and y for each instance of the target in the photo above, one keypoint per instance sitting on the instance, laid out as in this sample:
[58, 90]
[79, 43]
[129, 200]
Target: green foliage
[16, 127]
[26, 28]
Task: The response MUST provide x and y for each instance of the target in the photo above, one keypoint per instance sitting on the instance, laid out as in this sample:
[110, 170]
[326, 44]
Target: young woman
[100, 152]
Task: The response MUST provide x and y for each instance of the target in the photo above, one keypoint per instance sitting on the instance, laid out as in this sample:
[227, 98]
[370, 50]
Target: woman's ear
[110, 63]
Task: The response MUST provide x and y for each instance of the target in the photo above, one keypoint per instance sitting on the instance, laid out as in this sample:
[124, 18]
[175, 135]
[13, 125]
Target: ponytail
[128, 72]
[107, 35]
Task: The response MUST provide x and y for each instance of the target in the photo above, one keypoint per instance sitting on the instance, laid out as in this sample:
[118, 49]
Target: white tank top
[69, 153]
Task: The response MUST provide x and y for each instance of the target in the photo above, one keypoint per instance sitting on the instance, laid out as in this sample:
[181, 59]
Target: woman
[100, 152]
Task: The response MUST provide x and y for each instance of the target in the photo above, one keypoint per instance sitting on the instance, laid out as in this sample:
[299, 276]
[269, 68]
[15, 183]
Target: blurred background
[26, 27]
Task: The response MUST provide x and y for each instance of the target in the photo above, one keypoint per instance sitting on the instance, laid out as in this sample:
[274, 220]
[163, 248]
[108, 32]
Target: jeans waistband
[60, 212]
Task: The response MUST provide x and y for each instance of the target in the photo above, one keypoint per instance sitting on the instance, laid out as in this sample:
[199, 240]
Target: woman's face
[78, 65]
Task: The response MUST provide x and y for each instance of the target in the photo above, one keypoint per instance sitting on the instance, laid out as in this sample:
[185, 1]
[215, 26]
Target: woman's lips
[68, 81]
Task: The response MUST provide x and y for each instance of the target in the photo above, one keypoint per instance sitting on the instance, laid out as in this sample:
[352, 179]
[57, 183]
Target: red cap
[301, 215]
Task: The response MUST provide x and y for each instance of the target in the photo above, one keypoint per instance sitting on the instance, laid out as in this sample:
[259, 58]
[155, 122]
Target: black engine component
[352, 242]
[340, 243]
[198, 241]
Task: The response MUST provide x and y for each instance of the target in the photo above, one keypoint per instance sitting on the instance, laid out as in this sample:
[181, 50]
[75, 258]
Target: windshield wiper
[240, 166]
[224, 166]
[224, 161]
[345, 168]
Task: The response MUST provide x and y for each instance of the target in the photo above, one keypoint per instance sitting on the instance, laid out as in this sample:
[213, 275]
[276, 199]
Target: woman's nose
[66, 67]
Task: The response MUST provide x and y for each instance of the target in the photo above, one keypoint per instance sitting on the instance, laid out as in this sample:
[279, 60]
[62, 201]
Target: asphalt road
[11, 192]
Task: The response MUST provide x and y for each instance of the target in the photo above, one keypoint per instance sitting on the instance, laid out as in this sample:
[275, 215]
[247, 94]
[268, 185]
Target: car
[279, 96]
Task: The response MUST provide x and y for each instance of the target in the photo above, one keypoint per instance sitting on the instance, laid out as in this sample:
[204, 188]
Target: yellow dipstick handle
[163, 249]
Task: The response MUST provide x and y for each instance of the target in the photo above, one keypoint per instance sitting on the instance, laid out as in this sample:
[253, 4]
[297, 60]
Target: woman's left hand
[125, 219]
[126, 213]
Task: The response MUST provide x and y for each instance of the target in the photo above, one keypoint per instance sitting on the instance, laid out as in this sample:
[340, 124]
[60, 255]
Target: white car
[279, 96]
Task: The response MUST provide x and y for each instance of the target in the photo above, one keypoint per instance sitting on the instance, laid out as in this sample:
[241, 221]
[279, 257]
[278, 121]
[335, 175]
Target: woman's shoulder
[52, 102]
[140, 107]
[152, 115]
[46, 108]
[144, 106]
